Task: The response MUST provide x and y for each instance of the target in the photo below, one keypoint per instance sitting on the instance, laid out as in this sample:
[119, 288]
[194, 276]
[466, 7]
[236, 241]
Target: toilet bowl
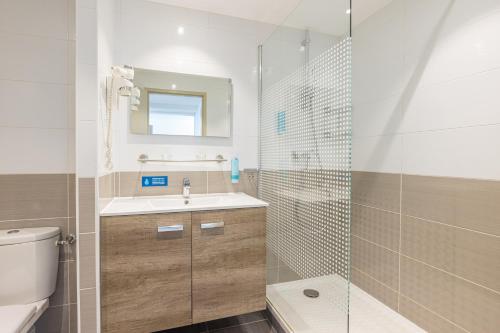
[29, 260]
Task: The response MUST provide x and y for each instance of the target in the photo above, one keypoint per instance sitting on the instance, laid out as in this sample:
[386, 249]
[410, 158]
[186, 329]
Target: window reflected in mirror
[181, 104]
[176, 113]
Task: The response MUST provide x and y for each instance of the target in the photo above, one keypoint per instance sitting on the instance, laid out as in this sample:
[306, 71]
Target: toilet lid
[25, 235]
[13, 318]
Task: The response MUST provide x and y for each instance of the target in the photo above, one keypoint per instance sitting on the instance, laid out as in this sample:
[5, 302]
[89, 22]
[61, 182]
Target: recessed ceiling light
[348, 11]
[174, 86]
[180, 30]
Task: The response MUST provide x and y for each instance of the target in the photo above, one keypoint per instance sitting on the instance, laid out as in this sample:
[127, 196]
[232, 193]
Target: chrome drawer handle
[212, 225]
[171, 228]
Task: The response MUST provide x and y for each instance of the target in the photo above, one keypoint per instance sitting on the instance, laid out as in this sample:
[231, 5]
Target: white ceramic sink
[169, 202]
[176, 203]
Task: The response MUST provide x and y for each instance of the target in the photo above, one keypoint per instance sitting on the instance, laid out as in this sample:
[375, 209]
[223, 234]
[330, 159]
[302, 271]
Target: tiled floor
[249, 323]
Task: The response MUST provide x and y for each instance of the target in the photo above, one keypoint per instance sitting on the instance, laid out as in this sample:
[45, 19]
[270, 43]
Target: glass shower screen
[304, 165]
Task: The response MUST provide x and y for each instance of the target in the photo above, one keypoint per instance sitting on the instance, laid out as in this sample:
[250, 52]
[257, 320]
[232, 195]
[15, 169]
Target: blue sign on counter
[148, 181]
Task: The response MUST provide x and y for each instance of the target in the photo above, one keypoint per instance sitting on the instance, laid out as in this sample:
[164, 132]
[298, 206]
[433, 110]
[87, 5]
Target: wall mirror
[181, 104]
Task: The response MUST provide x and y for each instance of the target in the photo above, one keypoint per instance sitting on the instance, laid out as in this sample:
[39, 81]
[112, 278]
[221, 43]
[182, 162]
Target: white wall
[106, 41]
[214, 45]
[37, 86]
[86, 88]
[426, 78]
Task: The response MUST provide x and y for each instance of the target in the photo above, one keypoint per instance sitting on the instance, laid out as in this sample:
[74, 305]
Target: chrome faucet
[186, 183]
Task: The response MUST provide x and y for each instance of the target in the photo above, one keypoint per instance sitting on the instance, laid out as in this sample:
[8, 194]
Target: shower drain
[311, 293]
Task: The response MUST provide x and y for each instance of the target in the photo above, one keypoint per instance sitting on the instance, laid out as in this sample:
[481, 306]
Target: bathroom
[298, 166]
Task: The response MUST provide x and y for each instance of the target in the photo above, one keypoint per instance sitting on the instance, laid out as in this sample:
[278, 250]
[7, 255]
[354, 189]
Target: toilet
[28, 262]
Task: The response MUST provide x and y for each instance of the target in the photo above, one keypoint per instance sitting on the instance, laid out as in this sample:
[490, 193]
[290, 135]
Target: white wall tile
[448, 79]
[71, 62]
[71, 151]
[33, 150]
[42, 18]
[470, 47]
[247, 150]
[27, 104]
[31, 58]
[211, 45]
[378, 60]
[377, 118]
[86, 3]
[377, 153]
[86, 49]
[86, 99]
[466, 152]
[86, 143]
[469, 101]
[71, 19]
[71, 107]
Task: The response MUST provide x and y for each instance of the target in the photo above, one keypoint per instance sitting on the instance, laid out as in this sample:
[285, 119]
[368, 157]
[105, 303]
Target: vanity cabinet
[228, 267]
[145, 274]
[160, 271]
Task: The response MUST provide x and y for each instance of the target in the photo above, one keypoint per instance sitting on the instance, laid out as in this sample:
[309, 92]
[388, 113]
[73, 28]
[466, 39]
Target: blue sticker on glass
[281, 128]
[154, 181]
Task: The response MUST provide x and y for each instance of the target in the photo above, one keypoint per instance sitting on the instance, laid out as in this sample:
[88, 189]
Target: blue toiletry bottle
[235, 170]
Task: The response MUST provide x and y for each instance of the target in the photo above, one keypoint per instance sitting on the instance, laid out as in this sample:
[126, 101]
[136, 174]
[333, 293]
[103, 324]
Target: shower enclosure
[304, 165]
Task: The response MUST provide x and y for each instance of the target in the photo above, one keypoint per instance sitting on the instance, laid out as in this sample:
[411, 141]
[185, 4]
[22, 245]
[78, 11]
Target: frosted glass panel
[305, 175]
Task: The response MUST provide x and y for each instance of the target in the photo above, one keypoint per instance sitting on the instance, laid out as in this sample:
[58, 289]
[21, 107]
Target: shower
[305, 175]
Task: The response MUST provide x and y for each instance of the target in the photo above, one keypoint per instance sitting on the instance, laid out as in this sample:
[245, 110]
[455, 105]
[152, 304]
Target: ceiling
[317, 15]
[269, 11]
[362, 9]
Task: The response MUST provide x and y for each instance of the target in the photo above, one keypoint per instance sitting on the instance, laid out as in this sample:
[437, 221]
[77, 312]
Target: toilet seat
[19, 318]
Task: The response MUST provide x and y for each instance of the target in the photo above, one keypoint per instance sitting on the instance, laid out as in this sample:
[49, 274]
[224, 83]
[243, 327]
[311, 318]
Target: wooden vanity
[166, 270]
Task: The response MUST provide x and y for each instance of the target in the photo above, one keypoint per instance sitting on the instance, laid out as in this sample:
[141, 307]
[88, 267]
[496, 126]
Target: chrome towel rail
[143, 158]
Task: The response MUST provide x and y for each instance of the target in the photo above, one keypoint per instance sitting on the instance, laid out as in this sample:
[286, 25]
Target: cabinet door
[145, 272]
[228, 263]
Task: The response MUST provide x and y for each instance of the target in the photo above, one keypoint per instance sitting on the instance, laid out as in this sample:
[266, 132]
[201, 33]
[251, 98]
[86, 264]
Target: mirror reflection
[181, 104]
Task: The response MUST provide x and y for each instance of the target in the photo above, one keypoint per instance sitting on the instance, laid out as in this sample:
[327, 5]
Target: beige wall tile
[130, 183]
[72, 281]
[426, 319]
[375, 261]
[471, 255]
[86, 203]
[33, 196]
[286, 274]
[61, 295]
[117, 184]
[377, 226]
[71, 195]
[54, 320]
[73, 318]
[373, 287]
[88, 316]
[220, 182]
[272, 275]
[470, 306]
[70, 250]
[271, 259]
[380, 190]
[87, 260]
[107, 186]
[106, 189]
[468, 203]
[62, 223]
